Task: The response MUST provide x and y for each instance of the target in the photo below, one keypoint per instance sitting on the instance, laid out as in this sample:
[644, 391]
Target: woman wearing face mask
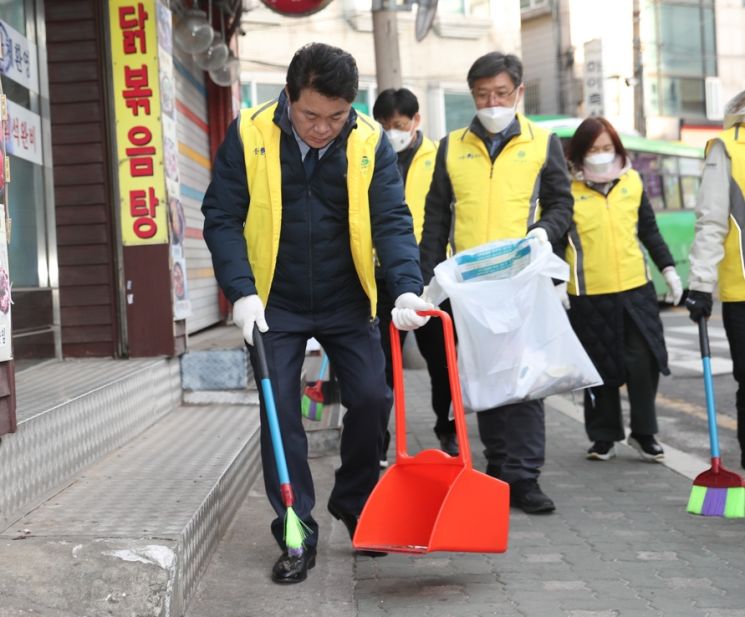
[613, 303]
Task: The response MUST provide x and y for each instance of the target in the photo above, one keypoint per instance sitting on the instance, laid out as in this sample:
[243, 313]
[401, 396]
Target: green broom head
[311, 405]
[717, 493]
[295, 533]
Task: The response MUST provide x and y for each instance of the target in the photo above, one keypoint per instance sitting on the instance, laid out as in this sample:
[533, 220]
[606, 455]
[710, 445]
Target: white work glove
[561, 291]
[673, 282]
[539, 234]
[404, 315]
[248, 311]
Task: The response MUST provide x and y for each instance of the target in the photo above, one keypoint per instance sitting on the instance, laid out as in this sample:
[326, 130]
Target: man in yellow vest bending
[718, 251]
[303, 188]
[500, 177]
[398, 113]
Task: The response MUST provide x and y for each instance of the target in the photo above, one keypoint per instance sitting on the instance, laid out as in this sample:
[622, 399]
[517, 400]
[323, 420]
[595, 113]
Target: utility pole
[640, 121]
[385, 36]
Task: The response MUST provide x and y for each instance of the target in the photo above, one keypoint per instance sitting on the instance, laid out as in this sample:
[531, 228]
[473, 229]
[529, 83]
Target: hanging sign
[18, 61]
[139, 136]
[6, 349]
[296, 8]
[23, 133]
[593, 80]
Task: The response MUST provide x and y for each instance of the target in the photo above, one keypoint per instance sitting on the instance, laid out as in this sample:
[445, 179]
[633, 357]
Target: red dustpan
[433, 501]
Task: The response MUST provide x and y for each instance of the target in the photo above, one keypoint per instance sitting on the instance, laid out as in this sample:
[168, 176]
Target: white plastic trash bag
[515, 341]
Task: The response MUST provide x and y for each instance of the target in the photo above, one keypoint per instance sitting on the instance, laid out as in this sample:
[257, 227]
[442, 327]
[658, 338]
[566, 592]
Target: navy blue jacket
[314, 270]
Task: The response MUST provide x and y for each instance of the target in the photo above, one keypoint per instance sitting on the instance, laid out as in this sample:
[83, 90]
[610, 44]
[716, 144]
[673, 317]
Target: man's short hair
[494, 63]
[391, 101]
[328, 70]
[736, 105]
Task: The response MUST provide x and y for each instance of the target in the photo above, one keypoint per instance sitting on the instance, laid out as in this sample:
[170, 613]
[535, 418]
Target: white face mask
[400, 140]
[496, 119]
[600, 162]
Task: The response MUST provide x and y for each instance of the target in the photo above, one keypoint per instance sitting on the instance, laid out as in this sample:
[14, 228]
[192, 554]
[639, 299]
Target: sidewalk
[619, 544]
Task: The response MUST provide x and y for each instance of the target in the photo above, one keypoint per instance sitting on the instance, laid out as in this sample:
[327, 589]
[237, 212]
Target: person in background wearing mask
[501, 177]
[303, 189]
[613, 303]
[398, 112]
[717, 252]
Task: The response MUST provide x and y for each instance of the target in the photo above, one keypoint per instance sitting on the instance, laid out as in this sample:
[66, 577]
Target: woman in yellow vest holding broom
[613, 303]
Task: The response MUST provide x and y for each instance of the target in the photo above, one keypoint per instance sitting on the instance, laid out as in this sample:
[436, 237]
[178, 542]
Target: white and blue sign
[18, 57]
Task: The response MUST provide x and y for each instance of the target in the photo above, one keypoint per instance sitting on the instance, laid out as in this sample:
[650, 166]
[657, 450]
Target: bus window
[648, 166]
[671, 181]
[690, 179]
[690, 185]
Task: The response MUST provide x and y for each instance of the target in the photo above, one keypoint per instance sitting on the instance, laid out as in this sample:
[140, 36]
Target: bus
[671, 172]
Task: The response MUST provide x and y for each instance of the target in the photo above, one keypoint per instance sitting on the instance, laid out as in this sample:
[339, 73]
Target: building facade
[109, 133]
[434, 69]
[662, 67]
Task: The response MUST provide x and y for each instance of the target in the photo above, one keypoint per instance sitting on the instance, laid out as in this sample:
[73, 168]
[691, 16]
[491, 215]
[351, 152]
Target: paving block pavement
[619, 545]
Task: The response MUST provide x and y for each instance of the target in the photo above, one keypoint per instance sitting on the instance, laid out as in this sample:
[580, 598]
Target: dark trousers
[352, 342]
[514, 438]
[431, 342]
[603, 417]
[733, 316]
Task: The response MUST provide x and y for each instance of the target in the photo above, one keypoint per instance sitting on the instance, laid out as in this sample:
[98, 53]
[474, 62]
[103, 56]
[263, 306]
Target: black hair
[328, 70]
[494, 63]
[393, 101]
[586, 134]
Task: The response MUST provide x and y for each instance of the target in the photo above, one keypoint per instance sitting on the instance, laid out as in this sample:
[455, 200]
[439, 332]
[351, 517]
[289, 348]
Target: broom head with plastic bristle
[312, 404]
[718, 492]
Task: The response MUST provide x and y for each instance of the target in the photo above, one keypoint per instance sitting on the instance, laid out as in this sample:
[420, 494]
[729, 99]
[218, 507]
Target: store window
[23, 133]
[680, 53]
[469, 8]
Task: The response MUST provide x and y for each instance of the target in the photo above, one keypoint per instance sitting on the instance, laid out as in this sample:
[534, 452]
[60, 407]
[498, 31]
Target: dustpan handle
[464, 455]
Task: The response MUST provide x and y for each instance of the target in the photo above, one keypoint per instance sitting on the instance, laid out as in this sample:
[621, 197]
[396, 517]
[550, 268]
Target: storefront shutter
[194, 176]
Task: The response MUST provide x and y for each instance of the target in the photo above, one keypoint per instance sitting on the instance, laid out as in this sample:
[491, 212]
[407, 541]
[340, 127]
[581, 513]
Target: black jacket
[314, 270]
[598, 319]
[598, 323]
[555, 197]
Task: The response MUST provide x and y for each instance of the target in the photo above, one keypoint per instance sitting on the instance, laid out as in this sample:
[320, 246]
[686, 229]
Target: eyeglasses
[500, 95]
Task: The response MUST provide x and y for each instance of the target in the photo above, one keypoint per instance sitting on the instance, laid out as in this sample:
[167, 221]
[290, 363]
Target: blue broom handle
[271, 409]
[703, 337]
[324, 366]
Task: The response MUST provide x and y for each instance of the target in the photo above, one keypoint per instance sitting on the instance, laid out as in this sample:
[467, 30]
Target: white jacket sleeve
[712, 220]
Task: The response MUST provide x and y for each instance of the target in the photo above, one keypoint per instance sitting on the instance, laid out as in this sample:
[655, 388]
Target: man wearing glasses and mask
[501, 177]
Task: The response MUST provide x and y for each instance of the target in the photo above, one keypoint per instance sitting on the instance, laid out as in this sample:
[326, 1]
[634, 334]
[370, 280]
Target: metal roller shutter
[194, 176]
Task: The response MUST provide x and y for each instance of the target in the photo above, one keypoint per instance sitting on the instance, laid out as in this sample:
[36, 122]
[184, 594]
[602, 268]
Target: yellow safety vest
[418, 180]
[604, 252]
[261, 139]
[732, 267]
[496, 200]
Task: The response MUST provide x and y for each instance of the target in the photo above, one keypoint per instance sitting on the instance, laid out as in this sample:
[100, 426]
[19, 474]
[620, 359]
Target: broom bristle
[712, 501]
[313, 410]
[295, 532]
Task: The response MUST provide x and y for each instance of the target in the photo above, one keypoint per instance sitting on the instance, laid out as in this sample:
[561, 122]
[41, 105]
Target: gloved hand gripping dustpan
[433, 501]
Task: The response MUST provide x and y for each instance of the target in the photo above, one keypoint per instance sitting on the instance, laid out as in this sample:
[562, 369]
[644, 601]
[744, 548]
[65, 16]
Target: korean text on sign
[139, 132]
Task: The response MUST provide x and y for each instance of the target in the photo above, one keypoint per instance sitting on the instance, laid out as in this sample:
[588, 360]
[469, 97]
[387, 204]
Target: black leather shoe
[528, 496]
[290, 569]
[448, 444]
[350, 522]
